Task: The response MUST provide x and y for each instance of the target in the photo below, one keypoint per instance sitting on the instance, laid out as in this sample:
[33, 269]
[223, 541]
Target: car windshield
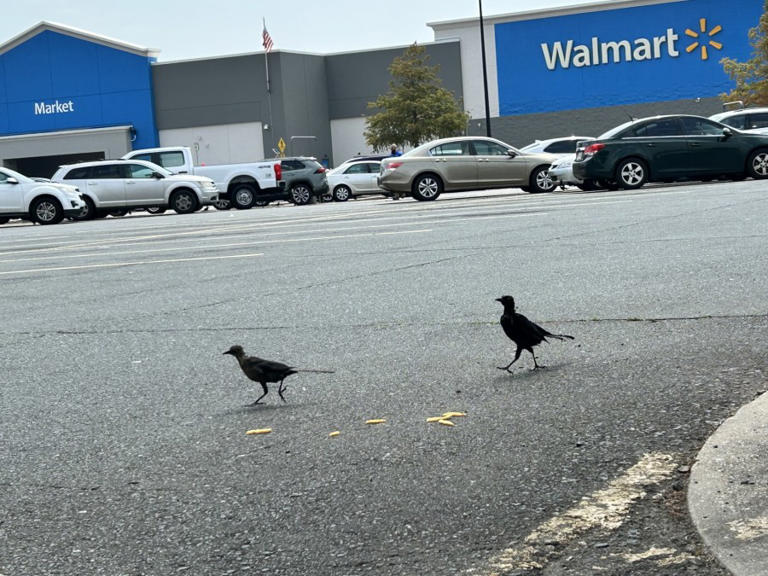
[8, 173]
[613, 131]
[159, 169]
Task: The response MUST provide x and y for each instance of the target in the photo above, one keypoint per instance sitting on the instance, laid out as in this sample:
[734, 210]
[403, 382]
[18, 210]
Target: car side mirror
[511, 153]
[157, 175]
[727, 133]
[11, 181]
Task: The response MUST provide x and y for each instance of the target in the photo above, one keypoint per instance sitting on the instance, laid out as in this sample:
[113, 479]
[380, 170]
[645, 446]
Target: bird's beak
[227, 352]
[498, 299]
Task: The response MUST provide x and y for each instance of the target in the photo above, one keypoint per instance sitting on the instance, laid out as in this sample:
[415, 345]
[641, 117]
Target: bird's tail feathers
[560, 336]
[314, 371]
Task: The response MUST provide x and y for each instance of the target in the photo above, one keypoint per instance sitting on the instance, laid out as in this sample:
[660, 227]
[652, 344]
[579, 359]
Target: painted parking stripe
[119, 264]
[25, 258]
[606, 509]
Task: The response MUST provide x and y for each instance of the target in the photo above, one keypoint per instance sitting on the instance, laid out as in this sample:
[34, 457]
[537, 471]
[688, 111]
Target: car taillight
[593, 149]
[393, 165]
[321, 170]
[278, 172]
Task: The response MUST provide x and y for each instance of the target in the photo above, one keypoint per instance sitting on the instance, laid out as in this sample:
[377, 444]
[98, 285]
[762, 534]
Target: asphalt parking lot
[124, 446]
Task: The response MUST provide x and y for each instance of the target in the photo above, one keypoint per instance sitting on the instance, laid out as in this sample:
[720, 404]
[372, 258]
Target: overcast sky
[183, 29]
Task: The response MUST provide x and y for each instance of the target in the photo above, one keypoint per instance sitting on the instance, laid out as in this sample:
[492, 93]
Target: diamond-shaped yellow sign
[281, 145]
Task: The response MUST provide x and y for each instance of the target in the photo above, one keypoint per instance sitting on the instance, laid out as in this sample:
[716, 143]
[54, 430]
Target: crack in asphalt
[377, 325]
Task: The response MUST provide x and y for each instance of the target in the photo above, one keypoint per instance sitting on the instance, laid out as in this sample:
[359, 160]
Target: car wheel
[118, 213]
[757, 165]
[46, 210]
[301, 194]
[89, 210]
[184, 202]
[541, 181]
[155, 210]
[631, 173]
[427, 187]
[341, 193]
[222, 204]
[243, 196]
[327, 197]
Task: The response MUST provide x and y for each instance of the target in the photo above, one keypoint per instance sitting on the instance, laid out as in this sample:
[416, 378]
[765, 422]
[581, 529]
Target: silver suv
[110, 186]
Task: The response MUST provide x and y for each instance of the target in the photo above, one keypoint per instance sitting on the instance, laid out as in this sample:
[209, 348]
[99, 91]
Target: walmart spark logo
[702, 43]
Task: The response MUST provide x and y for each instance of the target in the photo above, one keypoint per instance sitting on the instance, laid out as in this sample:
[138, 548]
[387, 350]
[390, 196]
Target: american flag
[266, 40]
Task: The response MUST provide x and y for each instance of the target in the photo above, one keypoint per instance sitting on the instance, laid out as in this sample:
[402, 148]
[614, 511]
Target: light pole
[485, 74]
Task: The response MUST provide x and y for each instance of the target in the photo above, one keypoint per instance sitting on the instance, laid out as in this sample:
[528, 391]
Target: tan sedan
[464, 163]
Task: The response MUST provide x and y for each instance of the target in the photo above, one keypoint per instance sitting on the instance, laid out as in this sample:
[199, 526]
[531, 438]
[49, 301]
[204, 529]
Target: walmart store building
[69, 95]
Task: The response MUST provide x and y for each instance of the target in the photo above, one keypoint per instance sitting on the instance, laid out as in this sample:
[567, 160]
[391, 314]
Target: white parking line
[119, 264]
[24, 257]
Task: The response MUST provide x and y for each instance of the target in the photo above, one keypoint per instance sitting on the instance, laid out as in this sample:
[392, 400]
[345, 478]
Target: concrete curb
[728, 491]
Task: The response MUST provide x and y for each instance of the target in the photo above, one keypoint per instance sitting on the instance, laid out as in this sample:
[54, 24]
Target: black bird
[266, 371]
[523, 332]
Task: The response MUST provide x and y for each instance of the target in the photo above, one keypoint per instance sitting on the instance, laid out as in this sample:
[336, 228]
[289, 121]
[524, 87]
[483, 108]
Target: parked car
[745, 119]
[465, 163]
[41, 202]
[359, 157]
[560, 146]
[354, 178]
[304, 179]
[561, 170]
[239, 185]
[669, 148]
[120, 185]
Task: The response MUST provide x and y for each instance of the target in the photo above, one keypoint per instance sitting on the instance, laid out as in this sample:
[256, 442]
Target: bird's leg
[281, 389]
[266, 390]
[536, 365]
[517, 355]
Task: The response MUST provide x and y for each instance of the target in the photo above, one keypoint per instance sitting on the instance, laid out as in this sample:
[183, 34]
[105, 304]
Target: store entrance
[45, 166]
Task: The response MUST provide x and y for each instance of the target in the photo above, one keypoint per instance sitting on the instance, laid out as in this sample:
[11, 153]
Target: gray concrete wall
[302, 92]
[209, 92]
[354, 79]
[524, 129]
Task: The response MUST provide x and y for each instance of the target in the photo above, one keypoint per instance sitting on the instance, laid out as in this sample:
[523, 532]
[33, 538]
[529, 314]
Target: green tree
[417, 108]
[751, 77]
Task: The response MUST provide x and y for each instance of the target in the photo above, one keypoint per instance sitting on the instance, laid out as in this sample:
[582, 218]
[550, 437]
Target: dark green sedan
[670, 148]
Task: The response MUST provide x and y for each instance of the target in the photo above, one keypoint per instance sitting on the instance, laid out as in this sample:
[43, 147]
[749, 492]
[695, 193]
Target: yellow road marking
[606, 509]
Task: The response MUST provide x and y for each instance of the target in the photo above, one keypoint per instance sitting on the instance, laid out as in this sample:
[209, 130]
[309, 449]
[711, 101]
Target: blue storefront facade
[669, 51]
[57, 81]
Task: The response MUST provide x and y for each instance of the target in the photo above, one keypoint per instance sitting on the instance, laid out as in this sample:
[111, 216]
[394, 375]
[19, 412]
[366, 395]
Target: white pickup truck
[240, 185]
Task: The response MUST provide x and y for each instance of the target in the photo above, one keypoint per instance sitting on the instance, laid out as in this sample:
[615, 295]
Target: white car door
[369, 185]
[357, 177]
[141, 185]
[105, 184]
[11, 195]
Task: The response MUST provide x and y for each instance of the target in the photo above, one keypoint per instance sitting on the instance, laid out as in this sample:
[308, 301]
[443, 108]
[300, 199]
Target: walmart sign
[584, 60]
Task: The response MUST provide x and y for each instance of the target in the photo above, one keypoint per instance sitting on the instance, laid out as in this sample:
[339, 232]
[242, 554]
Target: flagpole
[269, 92]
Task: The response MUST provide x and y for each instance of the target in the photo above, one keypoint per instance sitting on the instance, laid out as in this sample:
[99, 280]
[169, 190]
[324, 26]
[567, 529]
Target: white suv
[119, 185]
[41, 202]
[748, 119]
